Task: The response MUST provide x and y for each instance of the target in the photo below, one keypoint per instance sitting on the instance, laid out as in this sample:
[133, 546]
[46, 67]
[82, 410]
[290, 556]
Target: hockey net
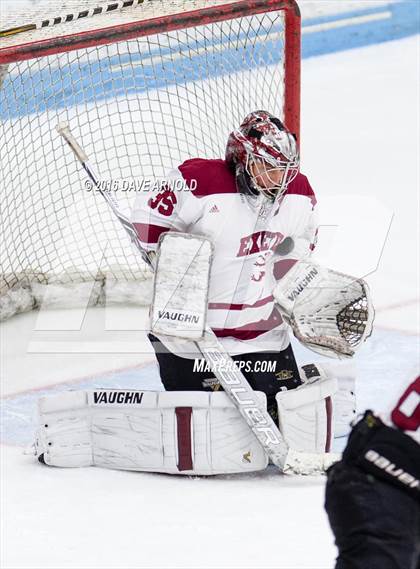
[143, 87]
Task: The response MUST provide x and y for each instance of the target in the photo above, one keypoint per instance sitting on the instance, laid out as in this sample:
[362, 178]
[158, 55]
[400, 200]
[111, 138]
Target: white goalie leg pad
[344, 400]
[306, 414]
[172, 432]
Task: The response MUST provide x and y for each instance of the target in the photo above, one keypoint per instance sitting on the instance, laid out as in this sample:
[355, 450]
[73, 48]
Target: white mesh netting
[139, 108]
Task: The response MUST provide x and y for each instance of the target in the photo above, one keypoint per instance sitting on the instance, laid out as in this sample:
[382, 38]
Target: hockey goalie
[231, 246]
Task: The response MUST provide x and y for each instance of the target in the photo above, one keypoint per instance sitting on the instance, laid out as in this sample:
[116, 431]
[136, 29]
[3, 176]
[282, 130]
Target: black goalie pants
[376, 525]
[269, 372]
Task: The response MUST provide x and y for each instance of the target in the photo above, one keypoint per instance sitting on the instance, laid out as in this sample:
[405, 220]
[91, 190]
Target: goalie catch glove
[329, 312]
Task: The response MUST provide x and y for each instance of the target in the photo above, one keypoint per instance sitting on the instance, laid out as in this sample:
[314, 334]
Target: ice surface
[360, 142]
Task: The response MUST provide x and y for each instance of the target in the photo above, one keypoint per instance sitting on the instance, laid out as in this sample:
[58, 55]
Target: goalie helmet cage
[143, 85]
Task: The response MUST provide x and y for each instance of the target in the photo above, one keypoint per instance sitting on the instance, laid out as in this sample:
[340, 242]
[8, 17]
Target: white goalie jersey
[245, 232]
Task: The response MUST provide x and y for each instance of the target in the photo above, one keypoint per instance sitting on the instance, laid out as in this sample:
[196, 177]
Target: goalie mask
[263, 154]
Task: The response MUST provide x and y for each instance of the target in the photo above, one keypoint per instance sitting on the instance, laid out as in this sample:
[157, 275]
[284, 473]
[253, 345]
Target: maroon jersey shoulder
[301, 186]
[212, 176]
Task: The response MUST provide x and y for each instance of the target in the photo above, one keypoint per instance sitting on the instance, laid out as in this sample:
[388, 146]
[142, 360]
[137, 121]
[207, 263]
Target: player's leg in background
[375, 524]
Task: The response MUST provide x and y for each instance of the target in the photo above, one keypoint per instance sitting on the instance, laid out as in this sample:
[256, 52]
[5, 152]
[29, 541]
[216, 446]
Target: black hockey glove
[384, 452]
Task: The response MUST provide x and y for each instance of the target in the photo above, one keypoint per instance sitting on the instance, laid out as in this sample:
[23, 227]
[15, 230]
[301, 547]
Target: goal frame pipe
[172, 22]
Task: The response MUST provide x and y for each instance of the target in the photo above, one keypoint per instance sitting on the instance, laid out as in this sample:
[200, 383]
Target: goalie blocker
[197, 433]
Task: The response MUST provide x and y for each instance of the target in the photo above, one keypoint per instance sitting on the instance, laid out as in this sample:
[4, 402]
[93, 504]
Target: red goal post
[161, 80]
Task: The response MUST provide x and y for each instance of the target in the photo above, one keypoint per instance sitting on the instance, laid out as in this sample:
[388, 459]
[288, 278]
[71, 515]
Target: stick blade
[63, 129]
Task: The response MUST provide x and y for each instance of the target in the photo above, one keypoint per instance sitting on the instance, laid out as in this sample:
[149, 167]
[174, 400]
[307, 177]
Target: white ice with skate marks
[352, 118]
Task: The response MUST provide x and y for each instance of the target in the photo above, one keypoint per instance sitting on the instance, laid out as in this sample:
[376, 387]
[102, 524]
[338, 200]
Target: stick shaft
[81, 155]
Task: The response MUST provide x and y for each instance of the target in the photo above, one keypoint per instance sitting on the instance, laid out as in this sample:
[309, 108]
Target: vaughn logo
[179, 316]
[121, 397]
[303, 284]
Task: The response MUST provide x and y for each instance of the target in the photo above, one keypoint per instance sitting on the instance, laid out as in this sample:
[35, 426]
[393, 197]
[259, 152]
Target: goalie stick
[230, 377]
